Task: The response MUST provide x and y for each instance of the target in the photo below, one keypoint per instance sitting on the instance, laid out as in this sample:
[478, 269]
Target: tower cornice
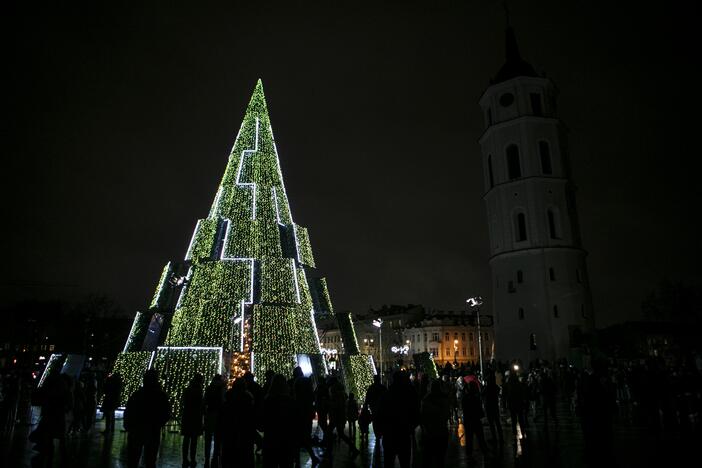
[519, 120]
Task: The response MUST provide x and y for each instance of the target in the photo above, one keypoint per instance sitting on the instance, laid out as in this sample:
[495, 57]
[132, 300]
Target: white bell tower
[541, 295]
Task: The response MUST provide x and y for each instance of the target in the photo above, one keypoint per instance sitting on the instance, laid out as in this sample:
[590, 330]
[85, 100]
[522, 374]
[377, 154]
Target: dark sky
[119, 121]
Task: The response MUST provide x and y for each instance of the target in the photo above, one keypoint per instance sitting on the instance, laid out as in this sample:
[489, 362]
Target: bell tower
[541, 295]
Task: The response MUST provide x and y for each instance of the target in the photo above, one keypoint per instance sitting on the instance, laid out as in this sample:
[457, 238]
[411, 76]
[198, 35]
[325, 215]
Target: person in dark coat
[374, 395]
[337, 415]
[111, 400]
[321, 404]
[303, 393]
[191, 416]
[472, 414]
[90, 402]
[434, 416]
[214, 399]
[279, 408]
[364, 420]
[491, 397]
[548, 397]
[517, 401]
[56, 402]
[259, 396]
[147, 411]
[598, 410]
[237, 426]
[352, 415]
[397, 417]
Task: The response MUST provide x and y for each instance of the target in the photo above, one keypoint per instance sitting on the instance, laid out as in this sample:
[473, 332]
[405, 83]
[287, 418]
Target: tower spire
[514, 64]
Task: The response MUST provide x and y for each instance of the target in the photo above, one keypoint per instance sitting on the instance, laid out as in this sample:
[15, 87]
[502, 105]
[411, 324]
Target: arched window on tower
[520, 228]
[552, 274]
[521, 314]
[514, 169]
[520, 276]
[490, 173]
[553, 224]
[555, 311]
[545, 154]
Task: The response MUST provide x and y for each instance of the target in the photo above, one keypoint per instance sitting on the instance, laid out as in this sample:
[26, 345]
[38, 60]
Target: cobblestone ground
[560, 446]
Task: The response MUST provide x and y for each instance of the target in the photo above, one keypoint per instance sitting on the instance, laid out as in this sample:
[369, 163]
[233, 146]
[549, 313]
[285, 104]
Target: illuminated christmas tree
[245, 297]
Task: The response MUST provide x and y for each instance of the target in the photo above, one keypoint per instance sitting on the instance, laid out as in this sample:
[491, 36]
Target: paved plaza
[555, 447]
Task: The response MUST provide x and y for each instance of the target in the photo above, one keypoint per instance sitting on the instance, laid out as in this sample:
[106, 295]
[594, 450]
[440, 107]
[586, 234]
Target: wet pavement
[549, 446]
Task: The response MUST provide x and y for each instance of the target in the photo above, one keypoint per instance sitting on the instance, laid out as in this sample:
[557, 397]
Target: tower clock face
[506, 99]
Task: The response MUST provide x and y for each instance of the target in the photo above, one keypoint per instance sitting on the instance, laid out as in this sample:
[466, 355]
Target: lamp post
[476, 302]
[379, 324]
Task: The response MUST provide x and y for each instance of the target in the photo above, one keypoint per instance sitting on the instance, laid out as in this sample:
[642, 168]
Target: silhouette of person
[337, 414]
[599, 408]
[303, 393]
[435, 412]
[321, 404]
[191, 416]
[56, 401]
[352, 415]
[364, 420]
[397, 417]
[472, 414]
[147, 411]
[548, 397]
[90, 402]
[237, 427]
[491, 398]
[516, 401]
[374, 395]
[111, 400]
[279, 409]
[214, 399]
[259, 395]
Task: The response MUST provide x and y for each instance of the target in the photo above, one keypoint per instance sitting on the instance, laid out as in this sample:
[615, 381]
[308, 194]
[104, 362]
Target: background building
[541, 294]
[450, 336]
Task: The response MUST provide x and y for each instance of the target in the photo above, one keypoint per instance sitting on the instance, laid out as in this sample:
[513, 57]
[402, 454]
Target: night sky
[119, 121]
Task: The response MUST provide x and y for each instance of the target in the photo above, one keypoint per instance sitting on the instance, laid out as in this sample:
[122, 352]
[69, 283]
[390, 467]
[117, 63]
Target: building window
[545, 153]
[552, 274]
[514, 169]
[536, 103]
[553, 224]
[577, 276]
[455, 336]
[464, 352]
[472, 351]
[447, 352]
[446, 336]
[425, 337]
[470, 337]
[555, 311]
[510, 287]
[583, 314]
[463, 336]
[521, 227]
[520, 277]
[435, 336]
[490, 173]
[521, 314]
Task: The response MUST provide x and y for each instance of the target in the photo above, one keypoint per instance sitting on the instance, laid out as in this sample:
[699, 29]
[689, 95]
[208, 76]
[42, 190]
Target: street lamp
[476, 302]
[379, 324]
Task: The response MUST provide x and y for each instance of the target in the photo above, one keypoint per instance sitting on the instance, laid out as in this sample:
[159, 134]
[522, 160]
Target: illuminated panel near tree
[247, 294]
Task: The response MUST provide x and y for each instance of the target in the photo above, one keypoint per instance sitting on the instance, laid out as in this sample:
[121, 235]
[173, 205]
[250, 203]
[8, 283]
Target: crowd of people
[242, 419]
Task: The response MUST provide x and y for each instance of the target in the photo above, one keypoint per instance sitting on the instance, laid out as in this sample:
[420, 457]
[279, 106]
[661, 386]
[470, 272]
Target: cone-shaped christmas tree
[243, 298]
